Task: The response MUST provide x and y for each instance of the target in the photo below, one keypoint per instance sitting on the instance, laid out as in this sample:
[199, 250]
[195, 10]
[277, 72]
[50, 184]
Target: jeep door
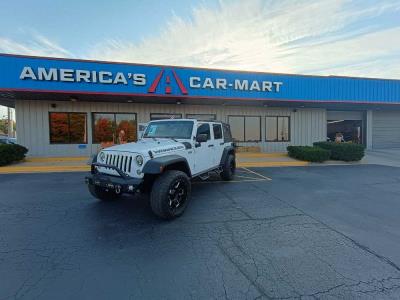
[204, 152]
[218, 143]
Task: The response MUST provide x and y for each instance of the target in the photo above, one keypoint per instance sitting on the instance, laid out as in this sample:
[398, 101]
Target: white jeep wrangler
[170, 154]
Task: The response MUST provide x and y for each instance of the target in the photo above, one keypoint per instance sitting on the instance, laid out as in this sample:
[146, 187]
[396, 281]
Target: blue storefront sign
[36, 74]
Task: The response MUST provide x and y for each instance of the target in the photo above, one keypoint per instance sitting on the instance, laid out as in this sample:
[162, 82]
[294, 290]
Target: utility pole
[10, 125]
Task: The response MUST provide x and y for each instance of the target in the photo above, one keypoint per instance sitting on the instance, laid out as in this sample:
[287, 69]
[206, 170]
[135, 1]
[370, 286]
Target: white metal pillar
[369, 126]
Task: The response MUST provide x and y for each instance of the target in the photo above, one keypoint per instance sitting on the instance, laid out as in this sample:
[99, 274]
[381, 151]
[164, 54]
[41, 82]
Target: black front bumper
[120, 184]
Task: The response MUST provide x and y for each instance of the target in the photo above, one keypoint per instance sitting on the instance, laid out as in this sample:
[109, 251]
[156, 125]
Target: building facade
[74, 107]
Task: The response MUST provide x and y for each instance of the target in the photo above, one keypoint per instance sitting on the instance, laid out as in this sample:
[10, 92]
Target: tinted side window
[227, 133]
[217, 131]
[204, 129]
[236, 125]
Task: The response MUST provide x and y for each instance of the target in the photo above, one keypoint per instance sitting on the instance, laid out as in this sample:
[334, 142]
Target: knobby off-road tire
[170, 194]
[102, 194]
[229, 168]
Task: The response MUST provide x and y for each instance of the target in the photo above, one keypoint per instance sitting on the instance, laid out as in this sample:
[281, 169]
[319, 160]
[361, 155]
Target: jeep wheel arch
[169, 162]
[229, 150]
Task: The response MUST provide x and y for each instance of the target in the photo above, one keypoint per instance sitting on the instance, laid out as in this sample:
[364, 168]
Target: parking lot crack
[239, 267]
[227, 195]
[382, 258]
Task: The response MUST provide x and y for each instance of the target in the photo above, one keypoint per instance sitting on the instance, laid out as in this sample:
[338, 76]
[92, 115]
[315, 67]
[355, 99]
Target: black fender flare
[227, 150]
[159, 164]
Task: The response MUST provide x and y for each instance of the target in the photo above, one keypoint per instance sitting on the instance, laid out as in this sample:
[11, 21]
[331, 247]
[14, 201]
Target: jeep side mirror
[201, 138]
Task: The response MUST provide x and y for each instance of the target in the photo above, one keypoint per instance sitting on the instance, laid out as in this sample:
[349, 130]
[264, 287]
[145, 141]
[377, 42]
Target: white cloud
[275, 36]
[338, 37]
[36, 45]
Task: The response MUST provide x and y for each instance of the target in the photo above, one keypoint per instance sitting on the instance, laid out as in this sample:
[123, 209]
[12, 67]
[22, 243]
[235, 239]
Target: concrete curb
[43, 169]
[78, 164]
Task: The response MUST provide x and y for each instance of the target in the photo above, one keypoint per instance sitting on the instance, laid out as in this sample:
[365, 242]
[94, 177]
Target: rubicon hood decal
[168, 149]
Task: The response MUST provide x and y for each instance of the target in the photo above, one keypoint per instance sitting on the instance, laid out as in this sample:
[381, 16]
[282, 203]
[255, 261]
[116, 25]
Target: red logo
[168, 89]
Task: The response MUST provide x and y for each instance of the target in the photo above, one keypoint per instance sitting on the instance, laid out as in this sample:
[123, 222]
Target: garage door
[386, 129]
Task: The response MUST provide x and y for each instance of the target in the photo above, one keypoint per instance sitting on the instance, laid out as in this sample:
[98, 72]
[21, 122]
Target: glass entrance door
[349, 130]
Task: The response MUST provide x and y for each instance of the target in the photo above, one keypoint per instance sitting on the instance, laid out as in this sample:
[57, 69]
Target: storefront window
[126, 128]
[114, 128]
[162, 116]
[283, 129]
[252, 128]
[277, 129]
[202, 117]
[237, 127]
[67, 128]
[245, 128]
[271, 130]
[347, 130]
[103, 128]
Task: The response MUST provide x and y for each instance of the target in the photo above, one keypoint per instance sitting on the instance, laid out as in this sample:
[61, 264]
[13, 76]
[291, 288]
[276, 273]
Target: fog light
[138, 172]
[130, 188]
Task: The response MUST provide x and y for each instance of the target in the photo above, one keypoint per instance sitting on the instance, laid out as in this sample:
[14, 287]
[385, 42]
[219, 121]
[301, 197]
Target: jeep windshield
[169, 129]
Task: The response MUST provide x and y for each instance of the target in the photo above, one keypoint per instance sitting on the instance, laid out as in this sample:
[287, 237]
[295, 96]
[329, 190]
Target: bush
[343, 151]
[308, 153]
[10, 153]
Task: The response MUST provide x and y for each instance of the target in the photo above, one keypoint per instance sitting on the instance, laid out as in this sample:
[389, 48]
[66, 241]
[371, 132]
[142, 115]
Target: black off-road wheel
[103, 194]
[170, 194]
[229, 168]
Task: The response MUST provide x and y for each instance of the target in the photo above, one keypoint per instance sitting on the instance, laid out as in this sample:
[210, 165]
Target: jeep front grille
[121, 161]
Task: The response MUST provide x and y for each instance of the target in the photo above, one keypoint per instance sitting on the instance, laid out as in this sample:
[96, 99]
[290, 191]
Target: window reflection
[103, 128]
[252, 127]
[271, 129]
[126, 128]
[112, 128]
[202, 117]
[283, 128]
[163, 116]
[237, 127]
[67, 128]
[277, 129]
[245, 128]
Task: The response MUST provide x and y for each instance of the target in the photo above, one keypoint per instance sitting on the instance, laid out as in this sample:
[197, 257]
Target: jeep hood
[144, 146]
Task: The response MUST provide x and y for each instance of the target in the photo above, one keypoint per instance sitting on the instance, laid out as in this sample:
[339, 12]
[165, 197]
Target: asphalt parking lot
[310, 232]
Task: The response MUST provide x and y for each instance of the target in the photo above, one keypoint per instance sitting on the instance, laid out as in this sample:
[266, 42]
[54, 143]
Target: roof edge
[195, 68]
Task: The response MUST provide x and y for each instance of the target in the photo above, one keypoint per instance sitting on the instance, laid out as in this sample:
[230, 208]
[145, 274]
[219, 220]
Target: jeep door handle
[210, 146]
[221, 143]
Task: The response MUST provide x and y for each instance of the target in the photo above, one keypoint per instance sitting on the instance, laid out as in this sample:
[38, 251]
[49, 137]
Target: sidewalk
[80, 164]
[260, 159]
[48, 165]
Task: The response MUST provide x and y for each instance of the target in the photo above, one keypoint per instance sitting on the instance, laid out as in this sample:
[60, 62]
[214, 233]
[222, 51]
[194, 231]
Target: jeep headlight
[102, 157]
[139, 160]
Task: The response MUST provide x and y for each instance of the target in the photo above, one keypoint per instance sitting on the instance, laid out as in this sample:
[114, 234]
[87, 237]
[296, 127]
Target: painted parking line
[258, 174]
[241, 176]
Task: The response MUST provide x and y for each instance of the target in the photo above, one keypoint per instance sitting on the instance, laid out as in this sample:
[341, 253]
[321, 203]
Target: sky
[326, 37]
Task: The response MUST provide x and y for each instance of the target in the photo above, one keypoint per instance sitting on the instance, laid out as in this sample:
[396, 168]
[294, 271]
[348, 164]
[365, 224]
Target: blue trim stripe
[136, 79]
